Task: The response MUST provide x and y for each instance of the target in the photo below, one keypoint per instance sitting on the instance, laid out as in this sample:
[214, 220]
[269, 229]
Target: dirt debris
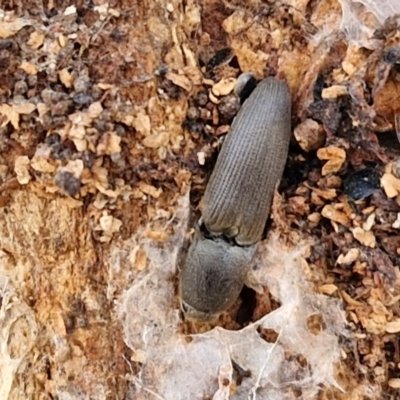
[110, 111]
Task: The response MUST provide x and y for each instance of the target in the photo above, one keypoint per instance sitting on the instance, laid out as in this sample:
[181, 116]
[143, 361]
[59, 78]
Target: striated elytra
[237, 202]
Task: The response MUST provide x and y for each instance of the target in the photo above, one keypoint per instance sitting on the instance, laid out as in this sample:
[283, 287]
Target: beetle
[236, 203]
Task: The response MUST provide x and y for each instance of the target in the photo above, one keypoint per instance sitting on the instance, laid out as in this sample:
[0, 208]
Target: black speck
[82, 99]
[53, 139]
[361, 184]
[68, 182]
[162, 70]
[391, 55]
[116, 35]
[218, 58]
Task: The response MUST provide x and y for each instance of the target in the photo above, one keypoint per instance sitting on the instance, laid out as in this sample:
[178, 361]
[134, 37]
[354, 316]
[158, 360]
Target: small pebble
[193, 113]
[68, 182]
[82, 99]
[20, 88]
[201, 157]
[229, 106]
[202, 99]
